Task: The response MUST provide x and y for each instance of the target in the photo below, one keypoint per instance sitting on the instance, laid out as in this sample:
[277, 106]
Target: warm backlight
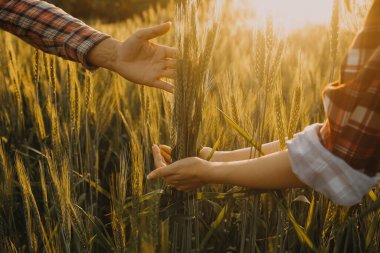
[290, 14]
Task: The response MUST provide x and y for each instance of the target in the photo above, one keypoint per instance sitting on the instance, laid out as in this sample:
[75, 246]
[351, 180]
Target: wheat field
[75, 146]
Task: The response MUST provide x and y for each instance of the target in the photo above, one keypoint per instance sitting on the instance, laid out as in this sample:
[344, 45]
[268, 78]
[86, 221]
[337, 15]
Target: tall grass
[195, 43]
[75, 146]
[196, 46]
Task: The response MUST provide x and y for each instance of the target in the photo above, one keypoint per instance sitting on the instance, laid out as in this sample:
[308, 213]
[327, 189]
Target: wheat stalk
[192, 77]
[62, 193]
[36, 72]
[279, 118]
[119, 196]
[334, 37]
[39, 122]
[31, 208]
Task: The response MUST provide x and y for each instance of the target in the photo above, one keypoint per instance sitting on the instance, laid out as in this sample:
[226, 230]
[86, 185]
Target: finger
[170, 52]
[170, 64]
[162, 172]
[204, 153]
[154, 31]
[163, 85]
[166, 152]
[158, 163]
[166, 156]
[169, 73]
[166, 148]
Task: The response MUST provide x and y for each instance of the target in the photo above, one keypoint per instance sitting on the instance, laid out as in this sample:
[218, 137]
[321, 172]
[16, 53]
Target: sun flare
[290, 14]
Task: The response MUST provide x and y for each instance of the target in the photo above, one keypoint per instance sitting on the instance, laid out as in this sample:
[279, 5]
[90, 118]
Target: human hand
[205, 152]
[137, 59]
[166, 153]
[184, 175]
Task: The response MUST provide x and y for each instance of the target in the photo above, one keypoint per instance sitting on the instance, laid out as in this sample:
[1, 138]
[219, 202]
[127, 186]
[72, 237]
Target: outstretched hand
[138, 59]
[184, 175]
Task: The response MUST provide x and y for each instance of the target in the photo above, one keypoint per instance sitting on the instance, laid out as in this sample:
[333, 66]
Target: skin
[137, 59]
[272, 171]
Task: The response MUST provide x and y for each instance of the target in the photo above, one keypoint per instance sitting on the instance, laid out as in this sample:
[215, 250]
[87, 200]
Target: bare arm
[240, 154]
[228, 156]
[54, 31]
[272, 171]
[268, 172]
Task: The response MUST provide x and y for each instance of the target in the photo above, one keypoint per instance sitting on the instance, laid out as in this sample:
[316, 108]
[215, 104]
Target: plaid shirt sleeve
[352, 105]
[50, 29]
[326, 173]
[340, 158]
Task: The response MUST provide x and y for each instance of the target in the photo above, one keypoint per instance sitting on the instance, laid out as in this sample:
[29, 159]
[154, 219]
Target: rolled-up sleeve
[50, 29]
[326, 173]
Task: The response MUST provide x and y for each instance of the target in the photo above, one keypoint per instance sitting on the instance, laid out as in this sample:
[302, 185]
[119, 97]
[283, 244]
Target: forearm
[104, 54]
[50, 29]
[245, 153]
[268, 172]
[2, 3]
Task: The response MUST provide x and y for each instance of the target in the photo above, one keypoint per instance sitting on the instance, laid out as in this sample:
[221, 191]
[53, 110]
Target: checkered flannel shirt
[352, 129]
[341, 158]
[49, 28]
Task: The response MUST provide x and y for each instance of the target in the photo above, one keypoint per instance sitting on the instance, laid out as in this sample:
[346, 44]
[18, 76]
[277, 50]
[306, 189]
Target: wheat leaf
[372, 195]
[300, 232]
[242, 132]
[214, 148]
[219, 219]
[94, 185]
[310, 214]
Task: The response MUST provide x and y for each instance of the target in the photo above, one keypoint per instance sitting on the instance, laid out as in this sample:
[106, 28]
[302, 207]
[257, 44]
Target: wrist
[105, 54]
[214, 172]
[204, 171]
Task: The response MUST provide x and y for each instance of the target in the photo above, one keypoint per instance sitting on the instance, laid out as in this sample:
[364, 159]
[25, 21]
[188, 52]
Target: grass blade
[241, 131]
[214, 148]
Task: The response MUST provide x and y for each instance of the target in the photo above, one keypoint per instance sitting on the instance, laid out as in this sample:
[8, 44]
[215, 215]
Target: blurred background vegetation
[106, 10]
[75, 146]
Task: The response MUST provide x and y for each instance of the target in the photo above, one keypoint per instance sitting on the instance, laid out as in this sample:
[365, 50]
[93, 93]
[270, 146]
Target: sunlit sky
[290, 14]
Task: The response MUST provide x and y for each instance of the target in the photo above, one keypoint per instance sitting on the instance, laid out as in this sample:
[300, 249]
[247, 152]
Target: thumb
[162, 172]
[154, 31]
[157, 173]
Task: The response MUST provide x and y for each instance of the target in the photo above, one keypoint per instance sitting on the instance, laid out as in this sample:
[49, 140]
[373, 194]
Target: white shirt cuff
[326, 173]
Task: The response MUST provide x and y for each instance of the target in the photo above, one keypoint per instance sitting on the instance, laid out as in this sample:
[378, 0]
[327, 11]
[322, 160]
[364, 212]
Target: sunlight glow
[290, 14]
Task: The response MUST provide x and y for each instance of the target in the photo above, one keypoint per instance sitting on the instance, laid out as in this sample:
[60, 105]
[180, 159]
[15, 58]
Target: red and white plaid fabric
[340, 158]
[49, 28]
[326, 173]
[352, 129]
